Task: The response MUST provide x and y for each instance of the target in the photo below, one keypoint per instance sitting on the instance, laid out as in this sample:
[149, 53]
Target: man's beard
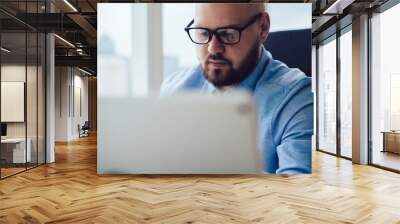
[230, 76]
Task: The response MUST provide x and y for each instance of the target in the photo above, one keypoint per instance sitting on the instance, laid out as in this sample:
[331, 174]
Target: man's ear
[265, 24]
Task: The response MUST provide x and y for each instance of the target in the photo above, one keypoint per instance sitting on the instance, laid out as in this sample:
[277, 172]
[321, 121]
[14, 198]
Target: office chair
[293, 47]
[84, 130]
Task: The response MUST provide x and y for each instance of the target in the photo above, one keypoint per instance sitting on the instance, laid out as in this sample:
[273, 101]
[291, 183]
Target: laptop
[180, 134]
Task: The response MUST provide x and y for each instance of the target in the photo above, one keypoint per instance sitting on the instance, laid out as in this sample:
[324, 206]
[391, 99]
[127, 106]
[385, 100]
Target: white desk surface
[13, 140]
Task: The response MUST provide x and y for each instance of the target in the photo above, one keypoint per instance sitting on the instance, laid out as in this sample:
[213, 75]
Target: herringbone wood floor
[70, 191]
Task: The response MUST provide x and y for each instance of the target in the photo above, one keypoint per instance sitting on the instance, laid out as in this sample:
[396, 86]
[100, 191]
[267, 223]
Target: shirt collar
[249, 82]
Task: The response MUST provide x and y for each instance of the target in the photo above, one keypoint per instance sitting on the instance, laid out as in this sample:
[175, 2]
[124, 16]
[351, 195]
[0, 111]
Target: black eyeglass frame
[215, 31]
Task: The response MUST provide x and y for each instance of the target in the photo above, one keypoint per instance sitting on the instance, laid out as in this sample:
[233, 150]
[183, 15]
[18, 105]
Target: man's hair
[258, 1]
[259, 7]
[254, 7]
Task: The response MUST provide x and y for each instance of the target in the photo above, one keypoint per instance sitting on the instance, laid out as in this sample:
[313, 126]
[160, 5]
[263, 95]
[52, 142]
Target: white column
[50, 99]
[360, 90]
[313, 89]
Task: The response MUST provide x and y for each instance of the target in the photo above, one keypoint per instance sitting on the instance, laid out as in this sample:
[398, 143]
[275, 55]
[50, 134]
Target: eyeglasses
[225, 35]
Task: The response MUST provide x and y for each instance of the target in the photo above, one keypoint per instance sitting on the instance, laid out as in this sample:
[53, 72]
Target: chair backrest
[86, 124]
[293, 47]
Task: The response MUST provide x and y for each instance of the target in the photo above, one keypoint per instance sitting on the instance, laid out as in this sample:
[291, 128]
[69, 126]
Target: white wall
[33, 126]
[12, 73]
[61, 103]
[79, 117]
[69, 82]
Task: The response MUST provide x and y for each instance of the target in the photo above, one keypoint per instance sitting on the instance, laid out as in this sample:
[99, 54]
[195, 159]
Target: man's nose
[214, 46]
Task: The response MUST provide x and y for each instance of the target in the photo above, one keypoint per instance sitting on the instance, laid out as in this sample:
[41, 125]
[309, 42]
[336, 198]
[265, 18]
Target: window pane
[345, 94]
[385, 88]
[13, 86]
[176, 43]
[327, 97]
[31, 100]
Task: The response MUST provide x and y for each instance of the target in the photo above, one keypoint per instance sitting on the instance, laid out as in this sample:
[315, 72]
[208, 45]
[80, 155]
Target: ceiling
[332, 15]
[74, 21]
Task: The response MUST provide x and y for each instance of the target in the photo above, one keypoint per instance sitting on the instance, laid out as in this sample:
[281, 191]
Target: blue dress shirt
[285, 110]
